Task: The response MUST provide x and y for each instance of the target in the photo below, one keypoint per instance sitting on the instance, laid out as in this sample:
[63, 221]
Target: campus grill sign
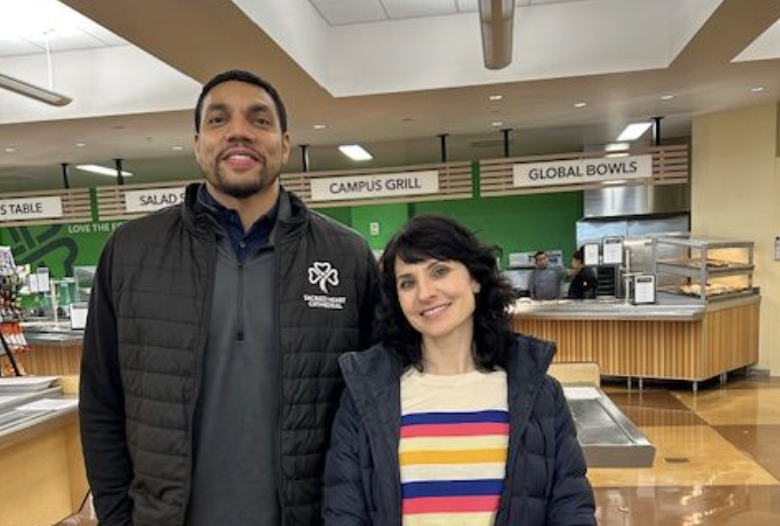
[153, 199]
[376, 185]
[30, 208]
[583, 171]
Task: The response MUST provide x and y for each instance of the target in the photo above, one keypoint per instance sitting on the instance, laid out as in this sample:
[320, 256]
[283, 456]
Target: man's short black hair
[540, 253]
[241, 76]
[578, 256]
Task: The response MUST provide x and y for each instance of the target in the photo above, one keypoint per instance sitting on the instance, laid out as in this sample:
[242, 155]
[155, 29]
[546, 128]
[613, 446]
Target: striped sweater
[453, 448]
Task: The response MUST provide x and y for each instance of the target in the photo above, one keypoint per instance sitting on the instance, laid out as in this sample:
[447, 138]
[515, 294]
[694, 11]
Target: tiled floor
[717, 456]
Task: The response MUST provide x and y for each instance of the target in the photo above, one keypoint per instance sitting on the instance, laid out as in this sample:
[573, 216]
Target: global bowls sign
[583, 171]
[370, 186]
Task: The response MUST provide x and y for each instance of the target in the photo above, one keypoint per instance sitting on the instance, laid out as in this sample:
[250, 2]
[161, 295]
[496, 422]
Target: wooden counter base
[43, 479]
[724, 340]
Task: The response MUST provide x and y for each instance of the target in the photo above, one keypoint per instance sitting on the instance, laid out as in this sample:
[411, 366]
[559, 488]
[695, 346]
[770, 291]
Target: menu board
[644, 289]
[612, 251]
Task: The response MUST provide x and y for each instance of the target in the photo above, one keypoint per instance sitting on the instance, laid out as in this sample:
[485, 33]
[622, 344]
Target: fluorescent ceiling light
[320, 126]
[101, 170]
[757, 89]
[34, 92]
[355, 152]
[667, 97]
[618, 181]
[634, 131]
[617, 154]
[616, 147]
[496, 97]
[497, 123]
[580, 104]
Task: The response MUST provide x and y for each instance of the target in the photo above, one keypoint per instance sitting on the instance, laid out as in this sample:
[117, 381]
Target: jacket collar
[293, 214]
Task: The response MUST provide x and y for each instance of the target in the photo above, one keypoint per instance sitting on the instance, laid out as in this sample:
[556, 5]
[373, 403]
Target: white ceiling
[27, 27]
[134, 70]
[343, 12]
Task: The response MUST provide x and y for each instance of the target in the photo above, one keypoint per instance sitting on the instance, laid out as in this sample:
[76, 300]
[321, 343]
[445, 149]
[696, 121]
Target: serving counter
[55, 349]
[676, 340]
[42, 477]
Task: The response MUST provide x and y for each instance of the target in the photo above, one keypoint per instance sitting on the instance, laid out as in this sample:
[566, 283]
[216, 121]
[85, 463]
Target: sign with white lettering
[30, 208]
[153, 199]
[377, 185]
[583, 171]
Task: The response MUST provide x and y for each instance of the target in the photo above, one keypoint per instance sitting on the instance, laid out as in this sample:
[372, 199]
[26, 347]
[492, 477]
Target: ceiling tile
[341, 12]
[10, 46]
[69, 42]
[467, 6]
[415, 8]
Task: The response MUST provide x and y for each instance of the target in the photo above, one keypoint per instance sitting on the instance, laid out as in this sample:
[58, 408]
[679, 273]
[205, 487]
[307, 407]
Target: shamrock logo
[322, 273]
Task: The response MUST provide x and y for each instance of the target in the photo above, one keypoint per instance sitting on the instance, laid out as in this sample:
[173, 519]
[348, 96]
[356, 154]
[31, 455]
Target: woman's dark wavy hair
[442, 238]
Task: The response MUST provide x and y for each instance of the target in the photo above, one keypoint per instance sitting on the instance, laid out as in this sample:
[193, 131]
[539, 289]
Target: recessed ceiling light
[757, 89]
[355, 152]
[497, 123]
[496, 97]
[580, 104]
[616, 147]
[101, 170]
[10, 150]
[80, 144]
[667, 97]
[319, 126]
[177, 148]
[634, 131]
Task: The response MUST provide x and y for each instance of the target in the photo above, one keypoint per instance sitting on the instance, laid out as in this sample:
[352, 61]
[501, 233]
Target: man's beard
[244, 188]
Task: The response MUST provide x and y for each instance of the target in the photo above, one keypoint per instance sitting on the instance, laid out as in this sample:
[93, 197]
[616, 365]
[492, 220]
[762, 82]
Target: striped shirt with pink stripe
[453, 449]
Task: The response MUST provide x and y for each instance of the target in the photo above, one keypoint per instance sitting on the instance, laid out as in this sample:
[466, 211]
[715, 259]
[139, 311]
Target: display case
[705, 269]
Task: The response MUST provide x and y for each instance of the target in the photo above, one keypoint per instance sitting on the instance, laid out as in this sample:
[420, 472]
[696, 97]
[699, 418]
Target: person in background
[209, 377]
[584, 282]
[451, 419]
[544, 283]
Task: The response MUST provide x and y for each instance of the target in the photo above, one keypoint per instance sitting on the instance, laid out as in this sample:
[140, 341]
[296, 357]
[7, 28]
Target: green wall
[517, 223]
[58, 247]
[389, 218]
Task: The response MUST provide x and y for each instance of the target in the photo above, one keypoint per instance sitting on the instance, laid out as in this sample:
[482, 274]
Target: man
[584, 284]
[209, 376]
[544, 282]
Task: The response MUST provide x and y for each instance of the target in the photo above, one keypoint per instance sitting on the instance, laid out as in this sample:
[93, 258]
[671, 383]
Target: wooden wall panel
[724, 340]
[51, 359]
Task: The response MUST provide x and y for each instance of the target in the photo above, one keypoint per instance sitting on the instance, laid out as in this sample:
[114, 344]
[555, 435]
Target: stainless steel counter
[607, 436]
[619, 310]
[22, 414]
[51, 334]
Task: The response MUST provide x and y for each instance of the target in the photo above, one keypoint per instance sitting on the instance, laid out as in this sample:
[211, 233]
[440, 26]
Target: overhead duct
[34, 92]
[497, 20]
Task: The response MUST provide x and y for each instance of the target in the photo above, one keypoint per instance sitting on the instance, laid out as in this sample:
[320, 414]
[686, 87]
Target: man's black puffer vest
[144, 345]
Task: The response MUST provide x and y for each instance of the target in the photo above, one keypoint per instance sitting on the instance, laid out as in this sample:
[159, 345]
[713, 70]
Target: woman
[451, 419]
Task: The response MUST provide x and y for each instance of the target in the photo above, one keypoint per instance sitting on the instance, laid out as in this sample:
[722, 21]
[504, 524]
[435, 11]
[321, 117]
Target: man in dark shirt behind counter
[584, 283]
[545, 282]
